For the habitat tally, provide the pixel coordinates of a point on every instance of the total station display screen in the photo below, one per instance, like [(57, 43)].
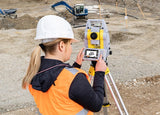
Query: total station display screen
[(91, 53)]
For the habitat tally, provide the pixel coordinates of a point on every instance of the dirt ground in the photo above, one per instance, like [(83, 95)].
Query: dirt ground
[(134, 64)]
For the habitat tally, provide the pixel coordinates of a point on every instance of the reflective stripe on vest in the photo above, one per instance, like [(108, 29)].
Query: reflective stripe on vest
[(83, 112), (72, 70)]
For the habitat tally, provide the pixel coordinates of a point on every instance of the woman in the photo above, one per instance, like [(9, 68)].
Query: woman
[(57, 87)]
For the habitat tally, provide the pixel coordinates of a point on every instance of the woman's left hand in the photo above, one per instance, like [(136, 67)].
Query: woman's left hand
[(80, 57)]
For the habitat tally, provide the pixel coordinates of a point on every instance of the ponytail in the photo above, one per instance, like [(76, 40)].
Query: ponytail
[(33, 67), (35, 60)]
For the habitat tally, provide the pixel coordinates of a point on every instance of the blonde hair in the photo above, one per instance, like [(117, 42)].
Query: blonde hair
[(35, 59)]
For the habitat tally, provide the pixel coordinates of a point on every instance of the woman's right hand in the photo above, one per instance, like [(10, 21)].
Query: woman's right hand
[(101, 65)]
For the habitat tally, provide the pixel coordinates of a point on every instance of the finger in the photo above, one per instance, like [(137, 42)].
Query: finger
[(82, 55), (100, 57), (80, 52)]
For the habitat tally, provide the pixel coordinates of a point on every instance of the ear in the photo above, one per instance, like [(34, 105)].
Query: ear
[(61, 46)]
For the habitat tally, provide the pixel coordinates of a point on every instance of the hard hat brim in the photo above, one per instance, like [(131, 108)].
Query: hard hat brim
[(52, 39), (74, 40)]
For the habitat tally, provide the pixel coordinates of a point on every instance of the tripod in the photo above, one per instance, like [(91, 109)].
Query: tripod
[(107, 84)]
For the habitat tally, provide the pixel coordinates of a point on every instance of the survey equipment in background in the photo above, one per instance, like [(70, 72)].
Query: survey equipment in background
[(97, 42)]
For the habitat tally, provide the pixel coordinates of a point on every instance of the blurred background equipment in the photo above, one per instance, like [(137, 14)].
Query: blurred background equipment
[(8, 13), (78, 10)]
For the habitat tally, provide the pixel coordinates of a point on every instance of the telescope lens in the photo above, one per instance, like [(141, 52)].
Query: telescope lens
[(94, 35)]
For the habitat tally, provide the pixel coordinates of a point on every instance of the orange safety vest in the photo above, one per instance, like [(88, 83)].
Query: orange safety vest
[(56, 100)]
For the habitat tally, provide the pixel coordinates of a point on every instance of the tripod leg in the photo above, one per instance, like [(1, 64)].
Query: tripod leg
[(113, 95), (119, 96), (105, 102)]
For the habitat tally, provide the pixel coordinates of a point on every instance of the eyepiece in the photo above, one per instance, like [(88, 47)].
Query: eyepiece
[(93, 35)]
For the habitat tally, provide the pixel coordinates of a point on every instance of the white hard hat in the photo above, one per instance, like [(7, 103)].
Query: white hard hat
[(51, 27)]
